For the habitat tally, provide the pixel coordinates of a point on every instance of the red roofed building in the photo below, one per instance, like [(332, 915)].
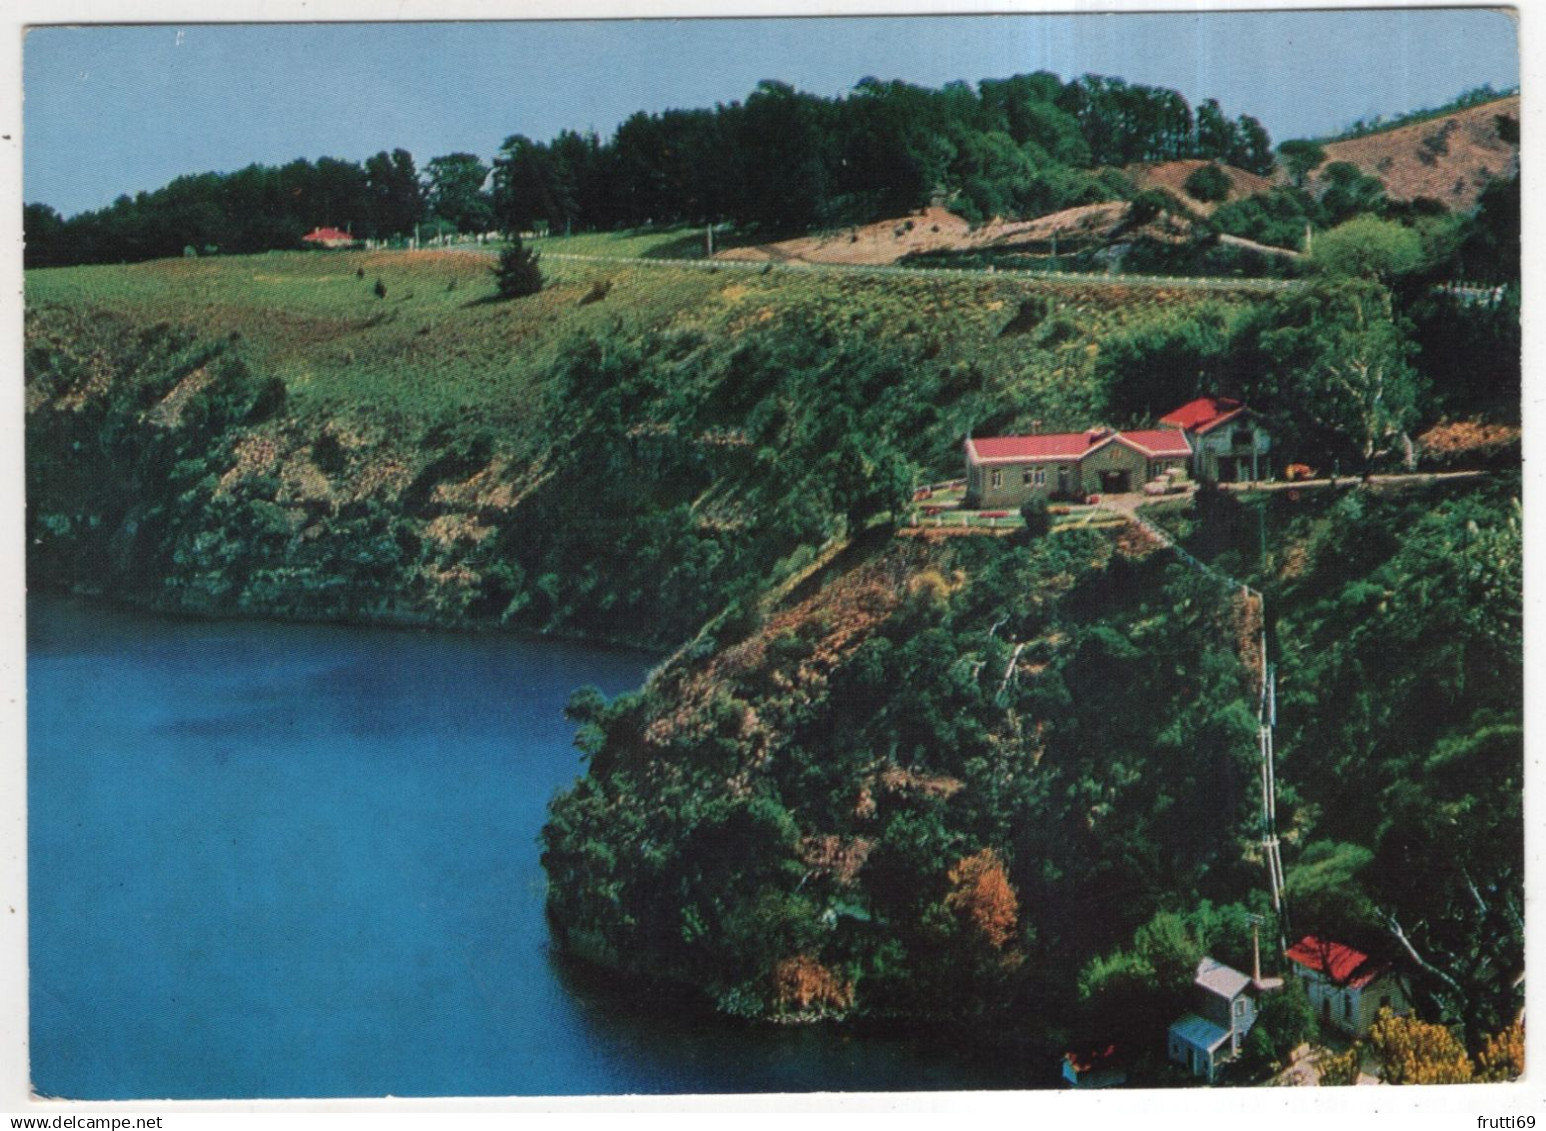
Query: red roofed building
[(1204, 414), (1006, 471), (1099, 1067), (1345, 986), (1229, 445), (328, 237)]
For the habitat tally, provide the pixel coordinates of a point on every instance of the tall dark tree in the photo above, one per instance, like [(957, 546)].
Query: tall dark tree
[(456, 194), (1301, 158), (785, 143), (1215, 133), (523, 185), (1252, 149), (43, 233), (396, 195)]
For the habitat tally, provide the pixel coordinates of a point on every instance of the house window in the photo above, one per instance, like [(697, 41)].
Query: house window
[(1041, 477), (1242, 438), (996, 480), (1240, 1007), (1027, 477), (1384, 1001), (1347, 1007)]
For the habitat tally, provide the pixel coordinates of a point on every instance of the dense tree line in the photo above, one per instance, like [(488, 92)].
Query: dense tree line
[(259, 208), (782, 160), (786, 160)]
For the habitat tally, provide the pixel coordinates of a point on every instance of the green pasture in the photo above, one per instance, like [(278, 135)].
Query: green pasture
[(438, 344)]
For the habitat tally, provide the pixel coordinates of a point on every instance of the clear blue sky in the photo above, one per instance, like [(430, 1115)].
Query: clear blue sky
[(110, 110)]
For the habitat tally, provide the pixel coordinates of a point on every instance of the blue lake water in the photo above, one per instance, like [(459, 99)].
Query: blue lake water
[(278, 860)]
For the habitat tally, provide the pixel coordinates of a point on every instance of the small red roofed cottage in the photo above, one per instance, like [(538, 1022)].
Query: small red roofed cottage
[(1006, 471), (328, 237), (1099, 1067), (1228, 444), (1345, 986)]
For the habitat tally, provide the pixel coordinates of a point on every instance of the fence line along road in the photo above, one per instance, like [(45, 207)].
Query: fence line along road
[(1106, 280)]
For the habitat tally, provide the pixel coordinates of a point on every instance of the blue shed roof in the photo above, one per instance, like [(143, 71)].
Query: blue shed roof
[(1199, 1033)]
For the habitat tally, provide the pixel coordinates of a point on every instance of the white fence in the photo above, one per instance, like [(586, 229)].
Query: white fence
[(1067, 277)]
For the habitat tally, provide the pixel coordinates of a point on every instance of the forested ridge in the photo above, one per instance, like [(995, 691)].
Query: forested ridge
[(780, 161)]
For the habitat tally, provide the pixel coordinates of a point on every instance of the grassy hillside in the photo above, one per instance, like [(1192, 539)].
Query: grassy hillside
[(439, 342), (609, 456), (1450, 158)]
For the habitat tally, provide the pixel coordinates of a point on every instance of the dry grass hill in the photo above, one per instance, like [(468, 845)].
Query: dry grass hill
[(1171, 177), (934, 230), (1449, 159)]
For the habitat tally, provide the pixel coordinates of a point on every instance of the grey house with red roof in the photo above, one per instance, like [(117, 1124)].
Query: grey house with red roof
[(1229, 444), (1006, 471), (1345, 986), (1211, 439)]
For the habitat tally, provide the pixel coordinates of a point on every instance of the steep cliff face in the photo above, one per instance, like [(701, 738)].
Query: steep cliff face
[(265, 436), (163, 471), (934, 783)]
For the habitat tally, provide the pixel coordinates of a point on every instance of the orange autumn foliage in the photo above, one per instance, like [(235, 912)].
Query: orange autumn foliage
[(981, 894), (801, 983)]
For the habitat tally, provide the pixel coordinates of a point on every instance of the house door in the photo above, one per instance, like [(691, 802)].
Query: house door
[(1115, 482)]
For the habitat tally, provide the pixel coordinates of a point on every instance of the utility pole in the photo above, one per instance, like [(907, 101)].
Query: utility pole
[(1271, 846), (709, 232), (1256, 948)]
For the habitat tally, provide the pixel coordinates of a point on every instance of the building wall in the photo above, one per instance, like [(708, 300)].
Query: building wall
[(1113, 457), (1199, 1062), (1007, 485), (1218, 451), (1237, 1013), (1367, 1003), (1350, 1010)]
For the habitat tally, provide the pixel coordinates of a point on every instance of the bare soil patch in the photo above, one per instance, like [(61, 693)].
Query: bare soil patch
[(1171, 176)]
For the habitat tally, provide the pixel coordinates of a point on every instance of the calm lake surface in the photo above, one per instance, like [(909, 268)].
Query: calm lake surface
[(278, 860)]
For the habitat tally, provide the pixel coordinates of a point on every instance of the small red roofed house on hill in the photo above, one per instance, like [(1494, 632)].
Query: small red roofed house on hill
[(1346, 987), (1006, 471), (329, 238), (1229, 444)]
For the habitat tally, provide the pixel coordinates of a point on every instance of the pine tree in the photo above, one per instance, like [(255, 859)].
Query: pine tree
[(517, 273)]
